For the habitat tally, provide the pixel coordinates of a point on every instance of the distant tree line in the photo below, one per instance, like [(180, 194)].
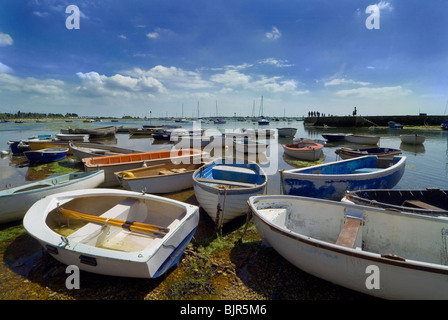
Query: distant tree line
[(36, 115)]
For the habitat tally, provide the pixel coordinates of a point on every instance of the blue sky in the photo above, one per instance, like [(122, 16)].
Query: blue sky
[(133, 57)]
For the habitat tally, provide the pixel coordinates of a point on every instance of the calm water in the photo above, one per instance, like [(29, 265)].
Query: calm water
[(426, 166)]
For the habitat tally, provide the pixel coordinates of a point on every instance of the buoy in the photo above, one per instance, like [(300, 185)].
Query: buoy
[(127, 174)]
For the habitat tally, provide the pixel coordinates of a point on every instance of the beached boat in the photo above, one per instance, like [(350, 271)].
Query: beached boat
[(362, 139), (95, 132), (250, 146), (72, 136), (83, 150), (286, 132), (304, 151), (430, 201), (412, 138), (113, 232), (39, 144), (346, 153), (140, 131), (16, 201), (123, 162), (387, 254), (159, 178), (331, 180), (222, 188), (394, 125), (17, 147), (46, 155), (334, 136)]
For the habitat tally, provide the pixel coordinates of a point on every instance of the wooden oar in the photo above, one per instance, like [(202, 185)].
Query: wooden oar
[(128, 225)]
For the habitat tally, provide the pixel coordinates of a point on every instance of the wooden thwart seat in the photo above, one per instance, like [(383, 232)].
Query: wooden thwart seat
[(349, 232), (420, 204)]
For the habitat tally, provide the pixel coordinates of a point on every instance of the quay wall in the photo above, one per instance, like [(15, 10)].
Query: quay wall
[(367, 121)]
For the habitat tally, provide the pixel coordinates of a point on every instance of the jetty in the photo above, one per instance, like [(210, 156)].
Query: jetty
[(379, 121)]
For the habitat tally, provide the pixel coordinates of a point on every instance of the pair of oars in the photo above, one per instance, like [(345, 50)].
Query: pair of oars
[(128, 225)]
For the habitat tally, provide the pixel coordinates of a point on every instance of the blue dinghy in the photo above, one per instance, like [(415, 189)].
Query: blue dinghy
[(46, 155), (331, 180)]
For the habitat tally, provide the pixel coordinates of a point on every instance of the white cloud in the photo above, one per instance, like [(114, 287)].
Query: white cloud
[(274, 34), (122, 36), (40, 14), (31, 85), (172, 77), (342, 81), (4, 68), (373, 93), (5, 39), (276, 62), (152, 35), (383, 5), (94, 84)]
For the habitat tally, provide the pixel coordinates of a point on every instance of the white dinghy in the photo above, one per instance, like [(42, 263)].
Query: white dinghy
[(113, 232), (387, 254)]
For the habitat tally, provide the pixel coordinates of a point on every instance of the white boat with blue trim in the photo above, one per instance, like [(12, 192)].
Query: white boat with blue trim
[(16, 201), (331, 180), (113, 232), (222, 188)]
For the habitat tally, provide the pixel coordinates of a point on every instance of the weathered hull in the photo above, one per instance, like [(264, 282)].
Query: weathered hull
[(386, 260)]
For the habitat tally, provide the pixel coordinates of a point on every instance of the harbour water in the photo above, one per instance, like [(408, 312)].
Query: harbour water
[(426, 165)]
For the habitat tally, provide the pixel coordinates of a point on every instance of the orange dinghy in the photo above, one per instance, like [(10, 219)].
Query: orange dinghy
[(123, 162), (308, 151)]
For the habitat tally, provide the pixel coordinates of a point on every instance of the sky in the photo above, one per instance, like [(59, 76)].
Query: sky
[(158, 58)]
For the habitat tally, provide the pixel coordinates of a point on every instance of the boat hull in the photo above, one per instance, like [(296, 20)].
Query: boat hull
[(110, 250), (221, 202), (89, 150), (46, 155), (304, 151), (345, 153), (332, 180), (431, 201), (404, 273), (16, 201), (286, 132), (414, 139), (360, 139), (163, 178), (116, 163)]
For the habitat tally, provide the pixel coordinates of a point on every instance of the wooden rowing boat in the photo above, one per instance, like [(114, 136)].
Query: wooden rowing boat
[(83, 150), (159, 178), (304, 151), (123, 162)]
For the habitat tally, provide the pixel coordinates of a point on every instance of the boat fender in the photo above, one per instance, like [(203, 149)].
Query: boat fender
[(88, 260), (127, 174)]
